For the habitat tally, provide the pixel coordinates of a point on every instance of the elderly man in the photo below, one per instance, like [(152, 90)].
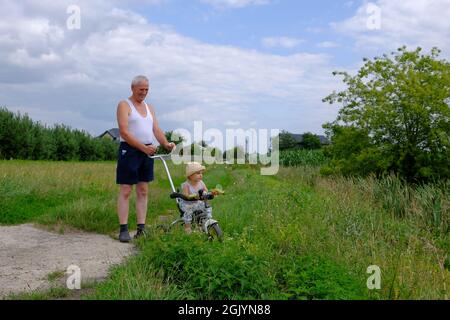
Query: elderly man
[(138, 129)]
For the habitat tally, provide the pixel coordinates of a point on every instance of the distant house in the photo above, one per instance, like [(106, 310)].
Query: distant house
[(299, 139), (112, 134)]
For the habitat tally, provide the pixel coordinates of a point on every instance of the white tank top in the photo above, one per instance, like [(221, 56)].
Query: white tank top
[(140, 127)]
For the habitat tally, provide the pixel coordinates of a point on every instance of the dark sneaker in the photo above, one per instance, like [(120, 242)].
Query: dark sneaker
[(124, 236), (140, 233)]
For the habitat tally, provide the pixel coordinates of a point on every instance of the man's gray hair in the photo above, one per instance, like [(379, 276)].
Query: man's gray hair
[(139, 79)]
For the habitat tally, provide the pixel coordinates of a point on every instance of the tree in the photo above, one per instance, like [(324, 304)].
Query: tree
[(9, 134), (235, 153), (214, 152), (67, 147), (399, 108), (22, 138), (310, 141), (286, 141), (86, 151), (45, 147), (196, 149), (171, 136)]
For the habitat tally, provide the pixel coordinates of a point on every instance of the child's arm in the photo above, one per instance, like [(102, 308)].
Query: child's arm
[(187, 194), (186, 191), (204, 187)]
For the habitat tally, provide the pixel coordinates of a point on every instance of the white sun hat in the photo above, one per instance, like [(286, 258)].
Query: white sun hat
[(193, 167)]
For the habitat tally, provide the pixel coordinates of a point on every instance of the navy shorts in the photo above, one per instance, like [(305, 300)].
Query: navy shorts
[(133, 166)]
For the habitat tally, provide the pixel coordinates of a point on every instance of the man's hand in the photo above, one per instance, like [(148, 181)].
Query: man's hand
[(170, 146), (149, 150)]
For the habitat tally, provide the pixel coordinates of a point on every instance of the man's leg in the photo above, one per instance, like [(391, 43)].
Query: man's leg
[(145, 175), (141, 207), (123, 203), (141, 202), (123, 211)]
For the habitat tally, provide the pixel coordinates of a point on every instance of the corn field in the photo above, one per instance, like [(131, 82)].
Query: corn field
[(301, 157)]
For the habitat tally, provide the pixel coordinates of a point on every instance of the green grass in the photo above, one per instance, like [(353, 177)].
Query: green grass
[(55, 275), (56, 291), (295, 235), (50, 294)]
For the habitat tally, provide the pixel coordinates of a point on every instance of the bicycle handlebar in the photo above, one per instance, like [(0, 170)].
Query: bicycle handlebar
[(160, 156), (201, 196)]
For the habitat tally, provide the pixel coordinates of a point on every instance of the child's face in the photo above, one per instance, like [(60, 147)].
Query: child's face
[(196, 177)]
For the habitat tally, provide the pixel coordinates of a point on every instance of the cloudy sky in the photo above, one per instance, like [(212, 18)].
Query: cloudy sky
[(230, 63)]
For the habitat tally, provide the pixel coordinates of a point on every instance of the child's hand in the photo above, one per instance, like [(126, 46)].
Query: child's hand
[(192, 196)]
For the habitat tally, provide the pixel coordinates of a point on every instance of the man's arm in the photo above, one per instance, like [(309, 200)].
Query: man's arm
[(159, 134), (123, 112)]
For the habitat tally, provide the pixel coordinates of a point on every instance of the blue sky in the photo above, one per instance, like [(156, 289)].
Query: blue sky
[(245, 27), (263, 64)]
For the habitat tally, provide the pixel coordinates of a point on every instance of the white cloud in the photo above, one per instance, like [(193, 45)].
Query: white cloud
[(231, 123), (22, 58), (283, 42), (328, 44), (315, 30), (234, 3), (413, 23), (79, 76)]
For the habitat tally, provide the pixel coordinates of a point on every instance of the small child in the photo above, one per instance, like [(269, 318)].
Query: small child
[(194, 183)]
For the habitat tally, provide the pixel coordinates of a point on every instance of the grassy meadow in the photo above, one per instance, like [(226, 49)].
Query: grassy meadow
[(296, 235)]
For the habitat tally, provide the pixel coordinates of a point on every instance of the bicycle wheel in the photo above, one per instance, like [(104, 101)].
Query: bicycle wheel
[(215, 232)]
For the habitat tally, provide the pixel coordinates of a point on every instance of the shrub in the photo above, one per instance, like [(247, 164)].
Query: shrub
[(395, 117)]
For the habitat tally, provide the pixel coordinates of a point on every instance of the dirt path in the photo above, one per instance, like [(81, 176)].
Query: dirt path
[(28, 255)]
